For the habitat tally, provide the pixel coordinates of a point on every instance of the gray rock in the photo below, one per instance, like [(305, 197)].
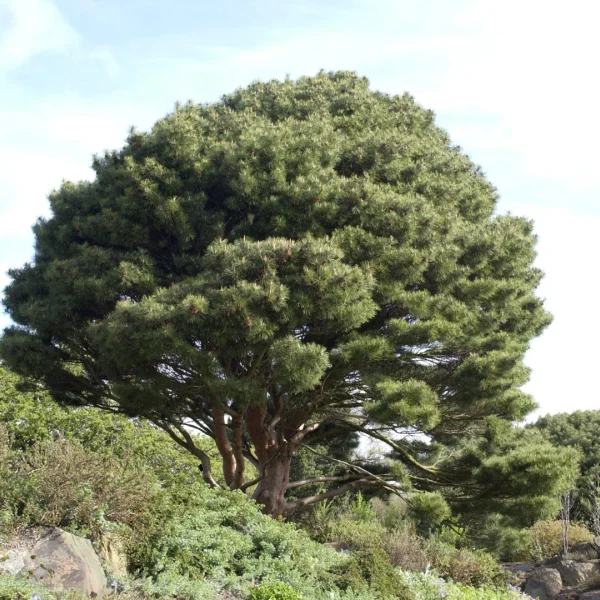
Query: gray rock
[(585, 551), (592, 595), (12, 562), (543, 584), (519, 567), (57, 559), (64, 560), (577, 574)]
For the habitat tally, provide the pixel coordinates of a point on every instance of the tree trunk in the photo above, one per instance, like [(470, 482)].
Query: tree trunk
[(270, 491)]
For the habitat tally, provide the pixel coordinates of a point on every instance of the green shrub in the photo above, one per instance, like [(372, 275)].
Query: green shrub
[(461, 565), (274, 591), (547, 538), (428, 510), (391, 513), (428, 587), (359, 535), (370, 570), (405, 549), (222, 536), (361, 510), (60, 484)]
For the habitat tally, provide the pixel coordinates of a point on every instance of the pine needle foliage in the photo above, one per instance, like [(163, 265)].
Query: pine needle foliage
[(299, 253)]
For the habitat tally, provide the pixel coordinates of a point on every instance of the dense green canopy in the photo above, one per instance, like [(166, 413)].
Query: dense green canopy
[(579, 430), (297, 254)]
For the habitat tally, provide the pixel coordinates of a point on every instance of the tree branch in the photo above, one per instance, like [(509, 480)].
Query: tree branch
[(302, 482), (188, 444), (222, 441), (289, 506)]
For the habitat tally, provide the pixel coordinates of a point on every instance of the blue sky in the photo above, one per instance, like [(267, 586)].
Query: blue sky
[(514, 83)]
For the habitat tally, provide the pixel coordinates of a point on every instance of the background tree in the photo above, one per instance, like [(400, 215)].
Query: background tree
[(579, 430), (298, 253)]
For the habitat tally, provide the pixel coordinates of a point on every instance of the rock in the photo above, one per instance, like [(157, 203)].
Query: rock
[(12, 562), (519, 568), (592, 595), (577, 574), (544, 584), (585, 551), (59, 560)]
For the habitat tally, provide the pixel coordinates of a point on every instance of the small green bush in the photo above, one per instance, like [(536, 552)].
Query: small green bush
[(359, 535), (405, 549), (461, 565), (370, 570), (274, 591), (428, 587), (547, 538), (223, 537)]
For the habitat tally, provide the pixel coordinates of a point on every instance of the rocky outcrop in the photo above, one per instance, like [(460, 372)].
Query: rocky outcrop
[(544, 584), (571, 576), (577, 574), (57, 559)]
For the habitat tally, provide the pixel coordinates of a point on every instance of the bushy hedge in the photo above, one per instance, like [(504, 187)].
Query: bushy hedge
[(223, 537), (429, 587)]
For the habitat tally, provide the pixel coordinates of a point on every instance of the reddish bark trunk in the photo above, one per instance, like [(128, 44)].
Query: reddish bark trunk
[(274, 457), (270, 491)]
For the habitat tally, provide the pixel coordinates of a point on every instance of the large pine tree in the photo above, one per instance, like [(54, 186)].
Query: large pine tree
[(298, 255)]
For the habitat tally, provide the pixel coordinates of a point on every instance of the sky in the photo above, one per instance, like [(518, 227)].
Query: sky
[(515, 84)]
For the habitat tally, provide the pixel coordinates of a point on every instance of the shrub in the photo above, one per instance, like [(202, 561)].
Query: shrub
[(405, 549), (391, 513), (428, 510), (547, 538), (274, 591), (429, 587), (359, 535), (370, 567), (469, 567), (222, 536), (60, 484), (370, 570)]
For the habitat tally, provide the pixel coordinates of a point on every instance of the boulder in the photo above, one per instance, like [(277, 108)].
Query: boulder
[(12, 562), (591, 595), (578, 574), (59, 560), (585, 551), (543, 584), (519, 568)]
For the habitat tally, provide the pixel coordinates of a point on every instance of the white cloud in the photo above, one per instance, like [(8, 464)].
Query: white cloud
[(532, 65), (565, 358), (50, 141), (36, 26)]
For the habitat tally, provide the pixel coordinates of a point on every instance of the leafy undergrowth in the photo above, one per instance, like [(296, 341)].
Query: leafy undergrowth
[(419, 586), (430, 587)]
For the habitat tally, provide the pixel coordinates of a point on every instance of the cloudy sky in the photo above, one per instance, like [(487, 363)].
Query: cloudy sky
[(514, 82)]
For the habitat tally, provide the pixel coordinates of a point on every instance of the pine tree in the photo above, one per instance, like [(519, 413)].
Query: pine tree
[(298, 253)]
